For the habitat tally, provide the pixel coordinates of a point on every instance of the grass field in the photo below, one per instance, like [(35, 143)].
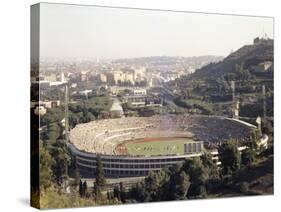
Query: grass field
[(157, 146)]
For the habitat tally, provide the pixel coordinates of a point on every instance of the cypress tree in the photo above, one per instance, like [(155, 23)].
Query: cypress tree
[(122, 192), (97, 191), (81, 188), (230, 157), (116, 192), (85, 188), (100, 178)]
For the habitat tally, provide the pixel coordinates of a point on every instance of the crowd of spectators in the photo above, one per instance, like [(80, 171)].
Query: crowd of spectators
[(103, 136)]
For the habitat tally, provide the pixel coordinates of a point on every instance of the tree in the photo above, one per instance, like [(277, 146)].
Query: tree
[(53, 132), (210, 165), (62, 160), (138, 192), (81, 191), (85, 188), (154, 183), (100, 178), (253, 140), (122, 192), (213, 182), (229, 76), (241, 73), (116, 192), (179, 185), (229, 156), (45, 167), (248, 156), (97, 192), (244, 187), (53, 116), (198, 176), (109, 195)]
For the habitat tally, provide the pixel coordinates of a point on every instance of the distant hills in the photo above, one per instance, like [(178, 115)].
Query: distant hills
[(248, 55), (168, 60)]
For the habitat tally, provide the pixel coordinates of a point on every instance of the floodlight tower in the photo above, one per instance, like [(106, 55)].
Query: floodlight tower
[(66, 93), (233, 90), (264, 101), (235, 102), (66, 101)]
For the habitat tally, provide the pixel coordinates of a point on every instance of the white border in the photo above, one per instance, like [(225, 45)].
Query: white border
[(14, 48)]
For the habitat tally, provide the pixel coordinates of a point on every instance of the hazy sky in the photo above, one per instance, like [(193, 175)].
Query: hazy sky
[(104, 33)]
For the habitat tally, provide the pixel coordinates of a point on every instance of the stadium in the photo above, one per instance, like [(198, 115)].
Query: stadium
[(133, 146)]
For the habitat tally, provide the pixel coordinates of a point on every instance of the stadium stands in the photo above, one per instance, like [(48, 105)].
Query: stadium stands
[(102, 138)]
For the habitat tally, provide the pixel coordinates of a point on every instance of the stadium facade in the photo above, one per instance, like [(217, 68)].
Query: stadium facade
[(124, 166)]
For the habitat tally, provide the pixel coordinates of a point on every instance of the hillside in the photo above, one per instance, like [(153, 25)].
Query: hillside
[(209, 89), (249, 55), (256, 179)]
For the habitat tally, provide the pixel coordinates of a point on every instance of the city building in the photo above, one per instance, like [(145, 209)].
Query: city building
[(84, 76), (135, 101), (102, 78), (40, 110), (116, 110), (140, 92), (47, 104)]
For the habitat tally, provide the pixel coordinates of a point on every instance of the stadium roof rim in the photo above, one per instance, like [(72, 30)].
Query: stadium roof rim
[(242, 122)]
